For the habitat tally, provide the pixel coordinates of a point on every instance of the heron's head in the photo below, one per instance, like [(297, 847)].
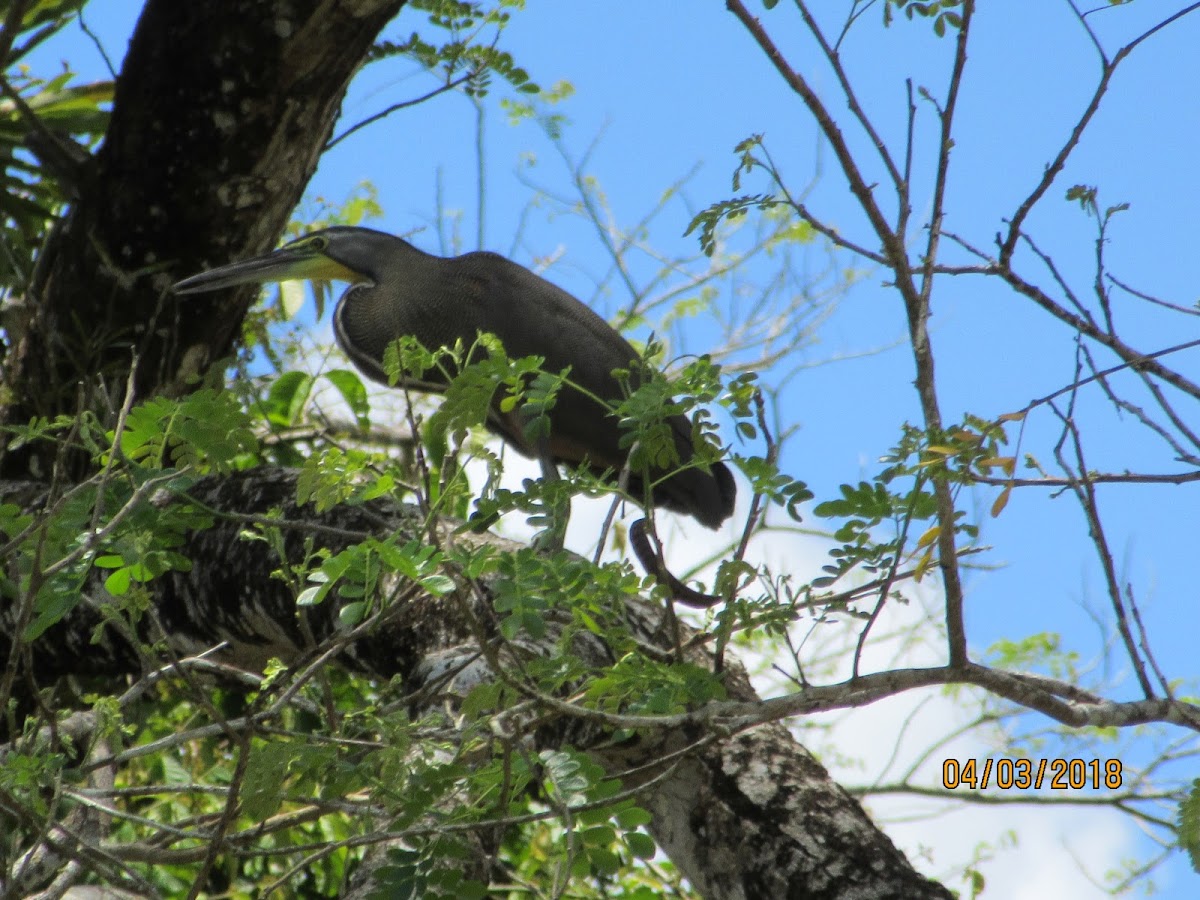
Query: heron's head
[(331, 254)]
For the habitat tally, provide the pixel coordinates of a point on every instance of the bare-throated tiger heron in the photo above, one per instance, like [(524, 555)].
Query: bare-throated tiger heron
[(397, 290)]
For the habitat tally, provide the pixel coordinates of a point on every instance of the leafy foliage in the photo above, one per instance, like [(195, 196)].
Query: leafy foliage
[(960, 456), (46, 124), (465, 52), (332, 475), (1189, 824), (108, 522), (709, 219), (204, 431), (940, 11), (588, 833)]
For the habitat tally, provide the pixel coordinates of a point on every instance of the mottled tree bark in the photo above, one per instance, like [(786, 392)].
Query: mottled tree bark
[(755, 815)]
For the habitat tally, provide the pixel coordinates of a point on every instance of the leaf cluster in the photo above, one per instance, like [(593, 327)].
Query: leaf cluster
[(942, 12), (467, 51), (47, 126), (124, 520), (206, 431), (961, 455), (710, 218)]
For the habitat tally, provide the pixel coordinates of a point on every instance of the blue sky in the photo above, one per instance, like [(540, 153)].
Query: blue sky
[(664, 87)]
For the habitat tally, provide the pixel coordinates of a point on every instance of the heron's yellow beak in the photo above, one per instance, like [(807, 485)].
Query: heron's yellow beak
[(286, 264)]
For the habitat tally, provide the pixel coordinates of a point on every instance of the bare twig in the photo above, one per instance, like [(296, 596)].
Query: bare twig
[(1085, 492), (396, 107), (1107, 70)]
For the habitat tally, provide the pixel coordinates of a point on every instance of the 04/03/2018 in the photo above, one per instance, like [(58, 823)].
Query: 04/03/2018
[(1058, 774)]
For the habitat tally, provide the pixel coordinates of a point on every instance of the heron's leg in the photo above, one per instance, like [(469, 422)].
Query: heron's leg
[(551, 538)]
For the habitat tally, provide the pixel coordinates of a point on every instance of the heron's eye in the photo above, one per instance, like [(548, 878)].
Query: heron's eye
[(317, 243)]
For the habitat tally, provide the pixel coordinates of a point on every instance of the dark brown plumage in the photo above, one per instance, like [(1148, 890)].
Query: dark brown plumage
[(398, 290)]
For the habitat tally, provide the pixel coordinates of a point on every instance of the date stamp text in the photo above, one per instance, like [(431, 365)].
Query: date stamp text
[(1058, 774)]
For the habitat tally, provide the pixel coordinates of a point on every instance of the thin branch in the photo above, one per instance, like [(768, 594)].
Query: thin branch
[(1143, 361), (441, 89), (1144, 642), (1049, 263), (918, 307), (1085, 492), (835, 63), (1181, 454), (836, 236), (1105, 478), (1060, 160), (97, 43), (910, 131), (862, 191), (851, 17), (1150, 298), (1139, 364), (889, 579)]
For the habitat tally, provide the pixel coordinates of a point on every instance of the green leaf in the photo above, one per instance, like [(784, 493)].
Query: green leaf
[(633, 817), (640, 845), (483, 698), (598, 835), (354, 392), (287, 397), (118, 582), (534, 624), (55, 600), (352, 614), (262, 785), (311, 596), (1189, 824), (603, 860), (438, 585)]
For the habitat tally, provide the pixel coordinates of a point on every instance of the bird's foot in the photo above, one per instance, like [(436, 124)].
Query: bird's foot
[(550, 540), (555, 519), (557, 506)]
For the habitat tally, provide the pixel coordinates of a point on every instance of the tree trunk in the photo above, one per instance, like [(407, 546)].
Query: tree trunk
[(220, 116)]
